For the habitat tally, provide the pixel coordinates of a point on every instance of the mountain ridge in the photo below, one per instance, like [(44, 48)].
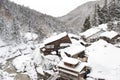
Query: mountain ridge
[(25, 20), (77, 16)]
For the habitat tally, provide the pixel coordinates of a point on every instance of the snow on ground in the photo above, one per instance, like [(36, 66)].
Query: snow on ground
[(5, 76), (27, 58), (53, 58), (26, 63), (10, 51), (115, 22), (104, 60), (3, 54), (34, 63), (2, 43), (30, 36), (22, 61)]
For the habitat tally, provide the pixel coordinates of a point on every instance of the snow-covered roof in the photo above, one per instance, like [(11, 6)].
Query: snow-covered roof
[(56, 37), (70, 60), (73, 35), (74, 49), (104, 60), (78, 68), (109, 34), (103, 26), (90, 32), (82, 41), (65, 44)]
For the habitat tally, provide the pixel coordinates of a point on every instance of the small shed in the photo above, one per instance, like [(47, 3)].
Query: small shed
[(75, 51), (53, 43), (91, 34), (110, 36), (72, 69)]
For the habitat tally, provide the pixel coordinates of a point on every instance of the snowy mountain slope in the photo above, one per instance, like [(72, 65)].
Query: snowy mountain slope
[(102, 11), (16, 20), (77, 17), (27, 61)]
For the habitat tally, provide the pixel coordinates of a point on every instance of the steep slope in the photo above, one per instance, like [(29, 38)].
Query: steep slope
[(16, 20), (78, 16)]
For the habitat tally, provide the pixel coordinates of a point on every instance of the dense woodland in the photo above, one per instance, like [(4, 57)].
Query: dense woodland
[(16, 19), (108, 13)]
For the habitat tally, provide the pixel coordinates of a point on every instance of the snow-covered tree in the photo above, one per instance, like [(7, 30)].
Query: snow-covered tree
[(95, 17), (15, 31), (87, 24)]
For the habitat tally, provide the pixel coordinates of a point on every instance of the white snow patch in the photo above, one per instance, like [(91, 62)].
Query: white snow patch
[(24, 63), (55, 37), (20, 62), (2, 43), (90, 32), (30, 36), (40, 70), (62, 53), (104, 60), (109, 34), (37, 56), (71, 60), (74, 49), (5, 76), (53, 58), (73, 35), (103, 26)]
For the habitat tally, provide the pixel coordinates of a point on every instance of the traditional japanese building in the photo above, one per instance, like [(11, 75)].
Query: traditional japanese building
[(110, 36), (92, 34), (72, 69), (53, 43)]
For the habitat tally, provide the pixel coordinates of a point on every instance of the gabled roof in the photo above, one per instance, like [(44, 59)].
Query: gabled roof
[(56, 37), (74, 49), (109, 34), (78, 68), (70, 60), (91, 32)]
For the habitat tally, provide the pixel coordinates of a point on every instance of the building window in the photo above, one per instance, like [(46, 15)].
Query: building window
[(49, 46)]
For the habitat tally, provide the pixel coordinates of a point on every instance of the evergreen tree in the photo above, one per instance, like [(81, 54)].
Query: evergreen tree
[(103, 13), (86, 24), (100, 15), (15, 31), (95, 17)]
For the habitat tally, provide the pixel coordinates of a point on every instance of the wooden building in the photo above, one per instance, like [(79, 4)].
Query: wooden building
[(53, 43), (110, 36), (76, 51), (92, 34), (72, 69)]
